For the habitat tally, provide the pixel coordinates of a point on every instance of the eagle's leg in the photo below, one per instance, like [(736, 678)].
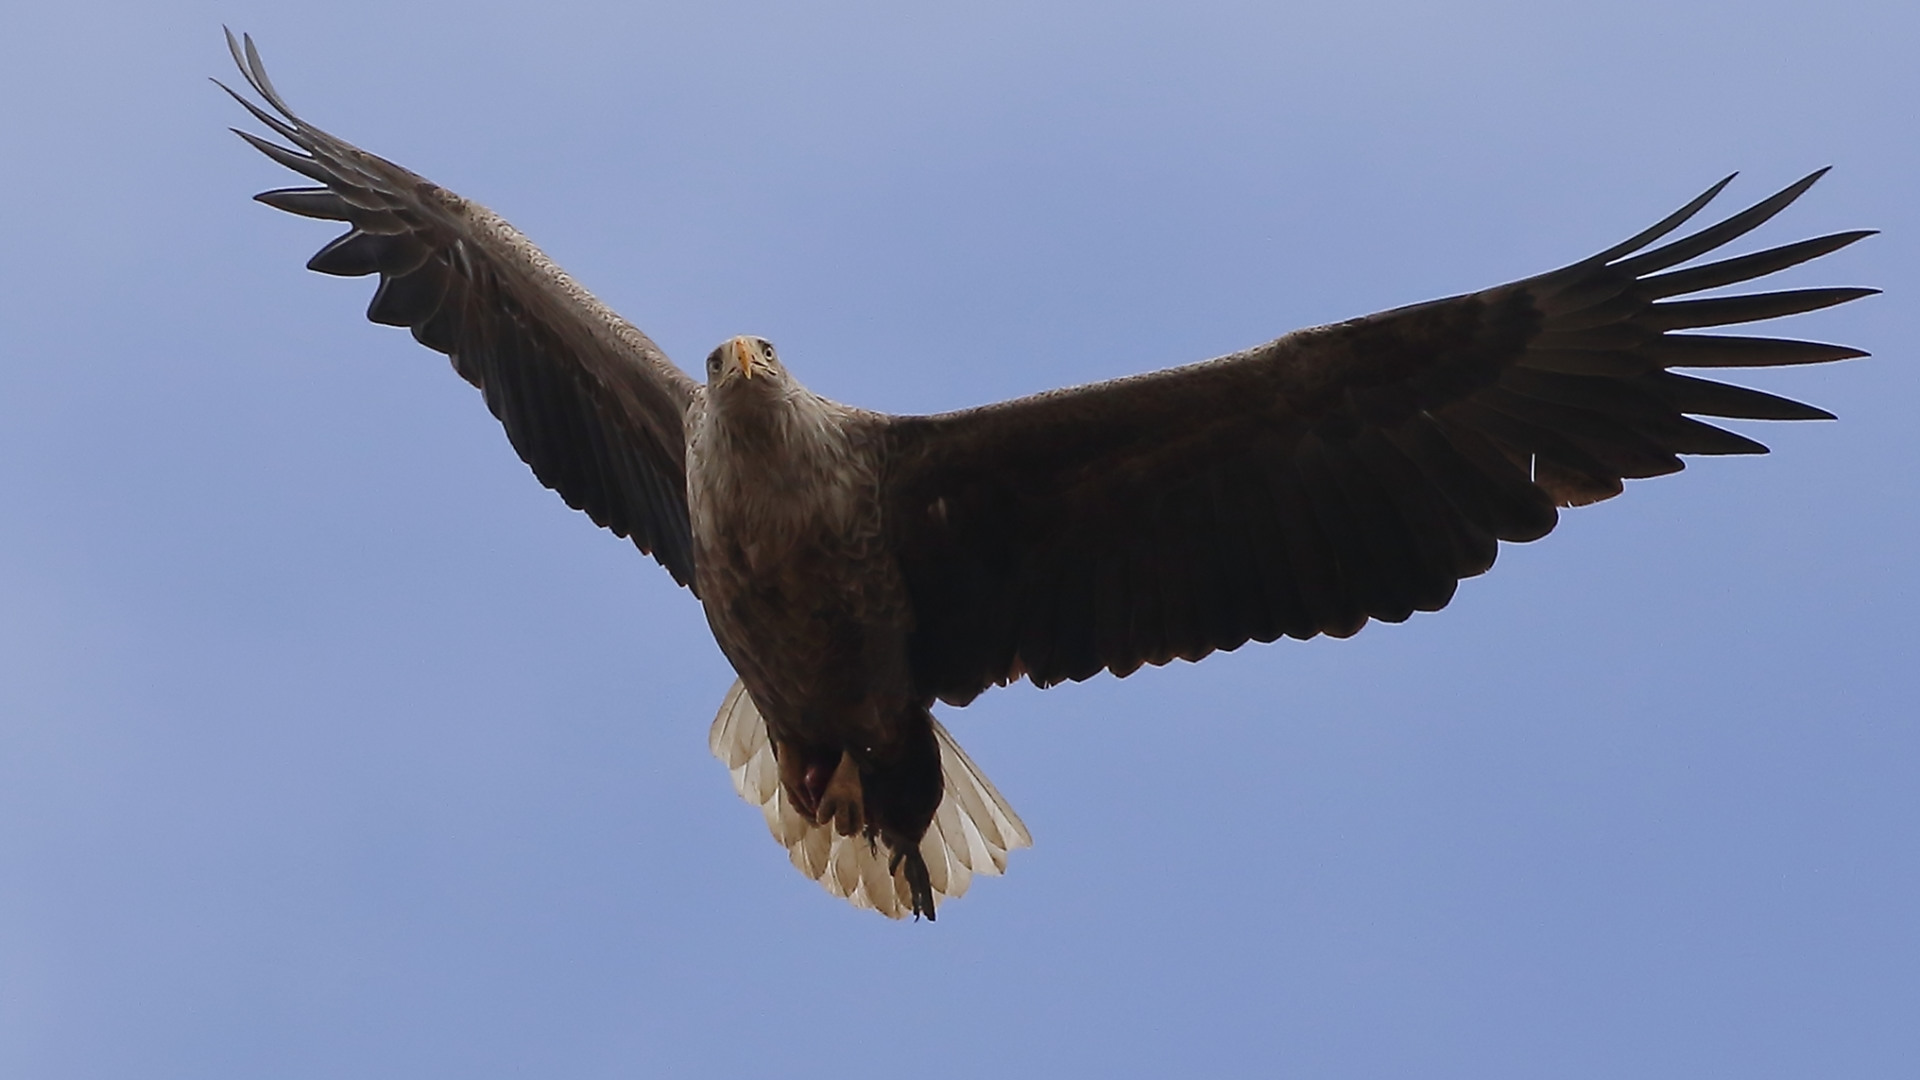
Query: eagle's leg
[(842, 802), (919, 883), (824, 786), (887, 796), (903, 792)]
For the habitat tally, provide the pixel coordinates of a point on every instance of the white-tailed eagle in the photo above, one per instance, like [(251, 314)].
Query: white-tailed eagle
[(857, 567)]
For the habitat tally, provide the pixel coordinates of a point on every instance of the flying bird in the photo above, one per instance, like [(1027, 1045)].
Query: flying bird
[(856, 567)]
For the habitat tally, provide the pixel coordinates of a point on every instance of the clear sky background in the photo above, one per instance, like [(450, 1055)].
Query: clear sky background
[(332, 745)]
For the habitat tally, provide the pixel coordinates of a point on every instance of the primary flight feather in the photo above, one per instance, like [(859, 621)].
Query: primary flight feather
[(856, 567)]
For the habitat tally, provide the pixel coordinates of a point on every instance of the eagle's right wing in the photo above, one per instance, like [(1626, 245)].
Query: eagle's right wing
[(588, 401)]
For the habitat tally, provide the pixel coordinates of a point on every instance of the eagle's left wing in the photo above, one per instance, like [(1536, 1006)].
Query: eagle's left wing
[(1335, 475)]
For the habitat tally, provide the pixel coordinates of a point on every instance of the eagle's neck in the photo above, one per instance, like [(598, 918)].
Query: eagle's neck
[(779, 433), (770, 469)]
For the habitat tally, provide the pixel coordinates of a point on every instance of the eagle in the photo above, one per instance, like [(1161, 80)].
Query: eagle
[(857, 567)]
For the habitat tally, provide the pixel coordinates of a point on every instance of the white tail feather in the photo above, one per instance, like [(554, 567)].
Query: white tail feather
[(972, 831)]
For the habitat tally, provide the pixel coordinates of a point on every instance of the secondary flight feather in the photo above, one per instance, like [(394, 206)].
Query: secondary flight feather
[(857, 567)]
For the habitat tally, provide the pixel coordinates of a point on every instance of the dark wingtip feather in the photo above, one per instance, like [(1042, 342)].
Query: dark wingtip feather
[(300, 163), (1713, 236), (280, 126), (1747, 267), (406, 299), (257, 74), (1716, 351), (233, 47), (322, 203), (247, 58), (1664, 225), (1711, 441), (1754, 307), (1705, 397)]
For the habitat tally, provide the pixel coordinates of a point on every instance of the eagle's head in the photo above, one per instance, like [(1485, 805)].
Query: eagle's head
[(746, 361)]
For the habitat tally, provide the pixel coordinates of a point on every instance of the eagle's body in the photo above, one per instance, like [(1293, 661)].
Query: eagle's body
[(806, 599), (857, 567), (790, 557)]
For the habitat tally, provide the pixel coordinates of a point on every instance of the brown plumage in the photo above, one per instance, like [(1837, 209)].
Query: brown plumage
[(855, 567)]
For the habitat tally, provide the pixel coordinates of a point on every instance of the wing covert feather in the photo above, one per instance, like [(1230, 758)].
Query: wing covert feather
[(1330, 477), (589, 402)]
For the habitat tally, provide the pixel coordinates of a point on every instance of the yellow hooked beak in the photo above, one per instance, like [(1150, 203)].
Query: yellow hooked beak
[(745, 352)]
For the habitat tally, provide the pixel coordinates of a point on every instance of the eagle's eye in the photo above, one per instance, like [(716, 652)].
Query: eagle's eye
[(766, 349)]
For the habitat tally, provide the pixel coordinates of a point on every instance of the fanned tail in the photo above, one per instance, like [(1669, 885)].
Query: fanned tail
[(971, 833)]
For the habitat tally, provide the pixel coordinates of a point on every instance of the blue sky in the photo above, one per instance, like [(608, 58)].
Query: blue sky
[(331, 744)]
